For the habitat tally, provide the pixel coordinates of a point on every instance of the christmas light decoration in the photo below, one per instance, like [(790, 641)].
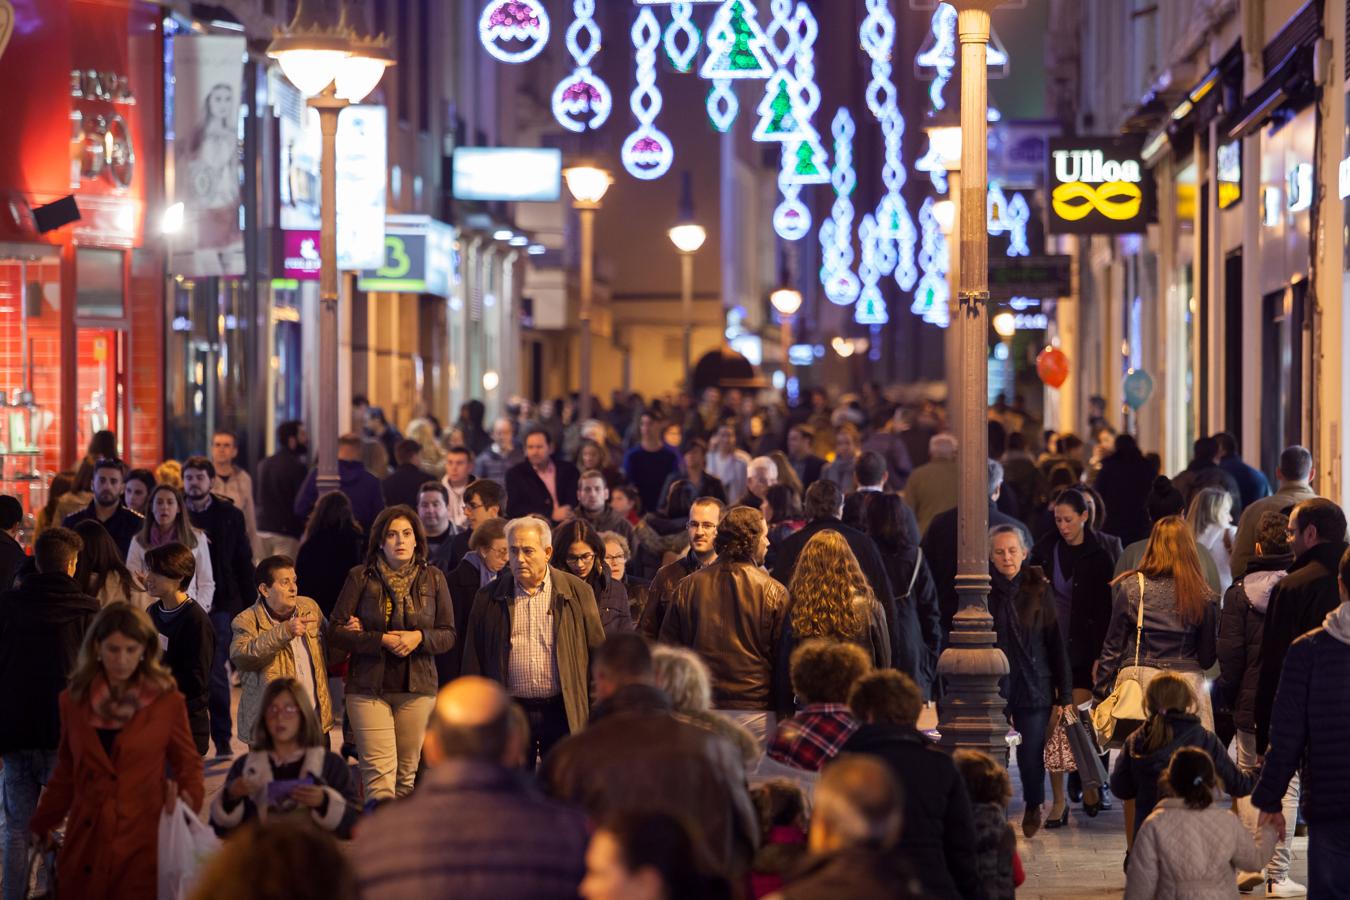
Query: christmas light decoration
[(895, 226), (1018, 215), (791, 220), (996, 202), (777, 116), (723, 106), (836, 234), (682, 53), (582, 100), (804, 159), (936, 59), (736, 44), (931, 294), (647, 152), (514, 31), (871, 306), (805, 162)]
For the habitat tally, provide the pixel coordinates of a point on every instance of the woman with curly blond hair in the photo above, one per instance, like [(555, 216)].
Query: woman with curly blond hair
[(830, 598)]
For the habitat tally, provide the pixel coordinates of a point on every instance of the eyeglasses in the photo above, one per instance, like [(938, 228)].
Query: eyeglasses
[(287, 709), (497, 551), (702, 526), (474, 504), (617, 557), (583, 559)]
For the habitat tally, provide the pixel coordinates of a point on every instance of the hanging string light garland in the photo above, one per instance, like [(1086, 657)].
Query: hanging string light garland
[(871, 306), (514, 31), (931, 295), (682, 53), (1018, 215), (582, 100), (895, 227), (647, 153), (836, 233)]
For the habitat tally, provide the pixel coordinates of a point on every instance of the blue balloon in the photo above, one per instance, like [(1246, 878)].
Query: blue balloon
[(1138, 388)]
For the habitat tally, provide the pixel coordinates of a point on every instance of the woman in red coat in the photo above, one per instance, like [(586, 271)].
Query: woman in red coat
[(123, 724)]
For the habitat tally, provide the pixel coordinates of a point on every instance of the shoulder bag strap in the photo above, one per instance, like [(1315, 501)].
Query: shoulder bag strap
[(914, 576), (1139, 622)]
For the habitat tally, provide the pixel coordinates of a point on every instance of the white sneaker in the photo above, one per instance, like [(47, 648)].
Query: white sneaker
[(1286, 888)]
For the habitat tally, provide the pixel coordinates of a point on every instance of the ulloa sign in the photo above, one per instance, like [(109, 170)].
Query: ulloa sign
[(1098, 186)]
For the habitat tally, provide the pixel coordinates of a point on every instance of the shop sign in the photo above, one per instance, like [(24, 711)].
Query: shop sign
[(208, 73), (1030, 276), (300, 259), (510, 174), (1299, 187), (362, 163), (1228, 161), (419, 258), (1098, 186)]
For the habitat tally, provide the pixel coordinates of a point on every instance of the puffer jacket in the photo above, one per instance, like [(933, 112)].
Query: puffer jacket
[(1192, 854), (428, 610), (1168, 642), (1136, 773), (1241, 626), (1308, 727), (262, 651), (732, 614)]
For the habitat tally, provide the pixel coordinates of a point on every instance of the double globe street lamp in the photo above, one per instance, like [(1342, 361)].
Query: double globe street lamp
[(333, 65)]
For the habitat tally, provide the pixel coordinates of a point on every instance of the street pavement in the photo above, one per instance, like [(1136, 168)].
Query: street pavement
[(1082, 861)]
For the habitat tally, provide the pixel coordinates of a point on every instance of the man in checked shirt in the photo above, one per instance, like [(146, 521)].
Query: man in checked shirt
[(822, 672), (534, 631)]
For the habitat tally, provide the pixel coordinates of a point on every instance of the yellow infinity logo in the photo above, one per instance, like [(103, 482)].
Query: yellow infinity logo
[(1118, 200)]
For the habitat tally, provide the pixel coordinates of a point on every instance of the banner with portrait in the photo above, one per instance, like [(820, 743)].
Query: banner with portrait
[(208, 73)]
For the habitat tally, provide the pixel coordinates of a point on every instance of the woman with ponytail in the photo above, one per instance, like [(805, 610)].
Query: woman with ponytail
[(1172, 724), (1189, 848)]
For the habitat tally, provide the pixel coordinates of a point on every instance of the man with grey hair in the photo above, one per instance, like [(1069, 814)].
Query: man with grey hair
[(760, 475), (931, 488), (854, 829), (533, 630), (521, 845), (939, 545)]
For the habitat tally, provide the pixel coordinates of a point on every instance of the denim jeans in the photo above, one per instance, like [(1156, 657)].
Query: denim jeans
[(1328, 860), (1032, 724), (26, 773), (1244, 745), (218, 687)]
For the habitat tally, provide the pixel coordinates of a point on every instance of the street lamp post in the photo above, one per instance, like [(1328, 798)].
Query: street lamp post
[(688, 237), (333, 65), (787, 300), (587, 185), (972, 712)]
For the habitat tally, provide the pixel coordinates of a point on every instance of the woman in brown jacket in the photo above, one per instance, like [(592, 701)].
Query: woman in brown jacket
[(123, 723), (394, 616)]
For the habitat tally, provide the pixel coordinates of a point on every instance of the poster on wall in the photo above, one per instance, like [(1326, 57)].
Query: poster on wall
[(361, 166), (208, 81)]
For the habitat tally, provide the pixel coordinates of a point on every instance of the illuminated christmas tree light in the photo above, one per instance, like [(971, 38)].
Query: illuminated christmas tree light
[(777, 119), (895, 227), (647, 152), (736, 44), (931, 295), (871, 306), (582, 100)]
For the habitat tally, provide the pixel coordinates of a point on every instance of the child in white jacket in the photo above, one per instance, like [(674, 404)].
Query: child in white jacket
[(1188, 849)]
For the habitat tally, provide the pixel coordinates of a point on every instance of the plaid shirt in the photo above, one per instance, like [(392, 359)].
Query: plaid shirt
[(813, 736), (532, 669)]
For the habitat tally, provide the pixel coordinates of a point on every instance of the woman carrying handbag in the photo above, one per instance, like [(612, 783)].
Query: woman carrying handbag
[(1163, 618)]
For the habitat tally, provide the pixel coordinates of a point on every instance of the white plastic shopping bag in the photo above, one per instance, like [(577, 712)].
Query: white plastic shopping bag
[(185, 843)]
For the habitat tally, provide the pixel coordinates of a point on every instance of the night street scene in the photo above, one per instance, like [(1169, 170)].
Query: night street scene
[(674, 449)]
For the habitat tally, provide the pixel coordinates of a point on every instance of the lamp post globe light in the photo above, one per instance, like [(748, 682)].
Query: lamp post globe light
[(333, 65), (688, 237), (972, 714), (588, 185)]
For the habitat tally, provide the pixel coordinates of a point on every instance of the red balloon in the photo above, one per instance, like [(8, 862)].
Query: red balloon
[(1053, 367)]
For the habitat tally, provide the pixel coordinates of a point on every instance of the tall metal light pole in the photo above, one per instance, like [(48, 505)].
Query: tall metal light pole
[(688, 237), (588, 185), (333, 65), (972, 714)]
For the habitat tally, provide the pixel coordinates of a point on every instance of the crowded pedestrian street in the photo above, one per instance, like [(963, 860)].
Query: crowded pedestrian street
[(674, 449)]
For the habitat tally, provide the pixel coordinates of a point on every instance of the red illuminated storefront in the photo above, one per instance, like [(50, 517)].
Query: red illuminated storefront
[(81, 321)]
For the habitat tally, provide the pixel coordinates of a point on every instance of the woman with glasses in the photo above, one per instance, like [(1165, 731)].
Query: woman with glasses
[(617, 554), (479, 568), (291, 771), (577, 548)]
